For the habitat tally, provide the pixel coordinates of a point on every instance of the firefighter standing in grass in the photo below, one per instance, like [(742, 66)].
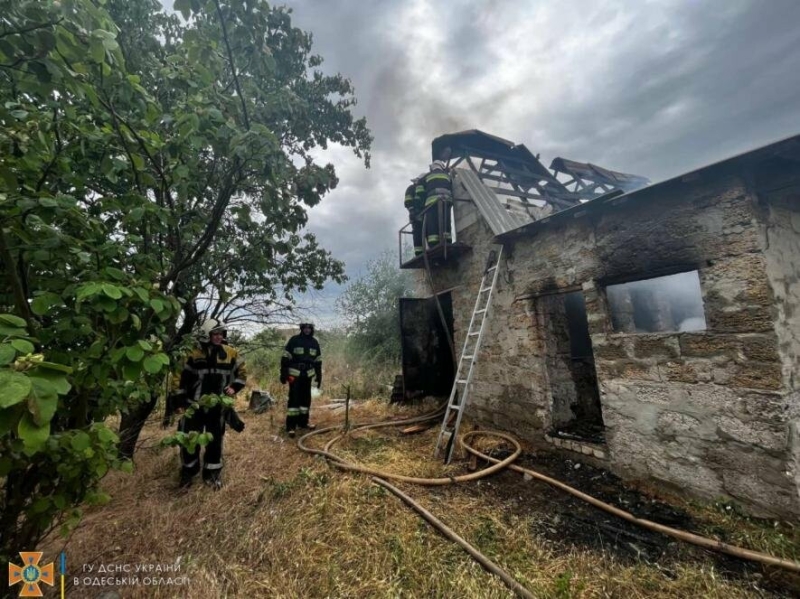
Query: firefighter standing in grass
[(211, 368), (438, 188), (301, 364)]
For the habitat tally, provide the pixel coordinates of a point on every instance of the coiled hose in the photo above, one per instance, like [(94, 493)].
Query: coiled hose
[(378, 477)]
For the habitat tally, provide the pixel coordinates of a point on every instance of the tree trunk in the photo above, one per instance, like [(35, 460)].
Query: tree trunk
[(131, 424)]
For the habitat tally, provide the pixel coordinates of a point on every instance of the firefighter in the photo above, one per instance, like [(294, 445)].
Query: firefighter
[(211, 368), (438, 188), (411, 203), (301, 364)]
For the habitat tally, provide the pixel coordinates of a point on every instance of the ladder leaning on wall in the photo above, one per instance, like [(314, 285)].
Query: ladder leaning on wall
[(459, 395)]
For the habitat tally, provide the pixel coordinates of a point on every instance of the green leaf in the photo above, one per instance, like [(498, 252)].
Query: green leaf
[(59, 381), (15, 387), (15, 321), (97, 50), (81, 441), (54, 366), (126, 466), (145, 345), (153, 364), (41, 304), (112, 291), (33, 436), (9, 332), (157, 305), (106, 435), (115, 273), (43, 401), (134, 353), (184, 7), (7, 354), (131, 371), (22, 346)]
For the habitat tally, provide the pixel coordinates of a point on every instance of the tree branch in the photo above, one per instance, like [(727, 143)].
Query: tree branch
[(233, 66)]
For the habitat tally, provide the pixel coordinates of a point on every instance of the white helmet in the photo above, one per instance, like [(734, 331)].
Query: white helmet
[(212, 326)]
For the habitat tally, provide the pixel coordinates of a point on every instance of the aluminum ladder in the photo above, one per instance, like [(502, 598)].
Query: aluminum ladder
[(459, 395)]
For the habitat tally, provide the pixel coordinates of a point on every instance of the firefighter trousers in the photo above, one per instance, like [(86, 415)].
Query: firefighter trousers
[(416, 230), (211, 421), (299, 403), (439, 211)]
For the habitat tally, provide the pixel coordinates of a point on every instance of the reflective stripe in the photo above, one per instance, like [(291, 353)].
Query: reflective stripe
[(286, 354), (433, 238), (310, 373), (299, 350), (318, 360), (304, 410), (294, 372), (204, 371), (239, 381), (292, 411), (191, 464), (212, 466), (313, 352), (437, 177)]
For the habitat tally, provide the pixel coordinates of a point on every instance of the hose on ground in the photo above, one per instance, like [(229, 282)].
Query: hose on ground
[(688, 537), (378, 478)]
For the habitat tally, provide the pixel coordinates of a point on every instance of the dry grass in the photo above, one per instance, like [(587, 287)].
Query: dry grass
[(289, 525)]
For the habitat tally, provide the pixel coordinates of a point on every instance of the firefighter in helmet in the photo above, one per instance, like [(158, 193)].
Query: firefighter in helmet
[(414, 202), (301, 364), (438, 196), (211, 368)]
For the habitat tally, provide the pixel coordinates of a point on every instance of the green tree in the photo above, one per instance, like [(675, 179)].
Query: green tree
[(369, 306), (145, 163)]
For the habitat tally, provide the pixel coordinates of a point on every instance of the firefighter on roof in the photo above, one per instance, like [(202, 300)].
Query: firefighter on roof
[(414, 202), (438, 197), (301, 364)]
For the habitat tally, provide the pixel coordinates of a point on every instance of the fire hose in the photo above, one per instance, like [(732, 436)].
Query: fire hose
[(378, 477)]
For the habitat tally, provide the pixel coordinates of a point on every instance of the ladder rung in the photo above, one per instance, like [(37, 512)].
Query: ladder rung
[(485, 289), (462, 381), (474, 334), (469, 357), (491, 269), (454, 407), (480, 311)]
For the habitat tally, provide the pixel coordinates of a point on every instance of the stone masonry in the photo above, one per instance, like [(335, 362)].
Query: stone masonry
[(713, 412)]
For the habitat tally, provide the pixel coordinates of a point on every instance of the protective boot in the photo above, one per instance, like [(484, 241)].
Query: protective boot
[(213, 478)]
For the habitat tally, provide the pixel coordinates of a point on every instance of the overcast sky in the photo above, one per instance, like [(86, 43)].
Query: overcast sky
[(654, 88)]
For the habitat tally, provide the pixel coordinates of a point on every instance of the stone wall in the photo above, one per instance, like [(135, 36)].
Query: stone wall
[(711, 411), (781, 232)]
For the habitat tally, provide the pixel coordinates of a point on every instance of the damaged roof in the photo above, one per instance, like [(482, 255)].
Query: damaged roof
[(496, 214), (786, 153)]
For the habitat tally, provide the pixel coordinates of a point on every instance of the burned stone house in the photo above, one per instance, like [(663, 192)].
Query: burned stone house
[(654, 329)]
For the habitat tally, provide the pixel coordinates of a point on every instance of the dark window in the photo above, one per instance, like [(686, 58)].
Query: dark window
[(662, 304)]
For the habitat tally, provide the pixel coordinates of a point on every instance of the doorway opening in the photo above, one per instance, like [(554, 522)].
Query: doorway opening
[(576, 412), (427, 358)]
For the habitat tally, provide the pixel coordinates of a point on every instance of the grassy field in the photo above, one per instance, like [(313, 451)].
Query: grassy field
[(287, 524)]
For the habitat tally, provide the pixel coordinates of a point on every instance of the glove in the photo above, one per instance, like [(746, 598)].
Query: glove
[(291, 379), (283, 379), (233, 420)]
